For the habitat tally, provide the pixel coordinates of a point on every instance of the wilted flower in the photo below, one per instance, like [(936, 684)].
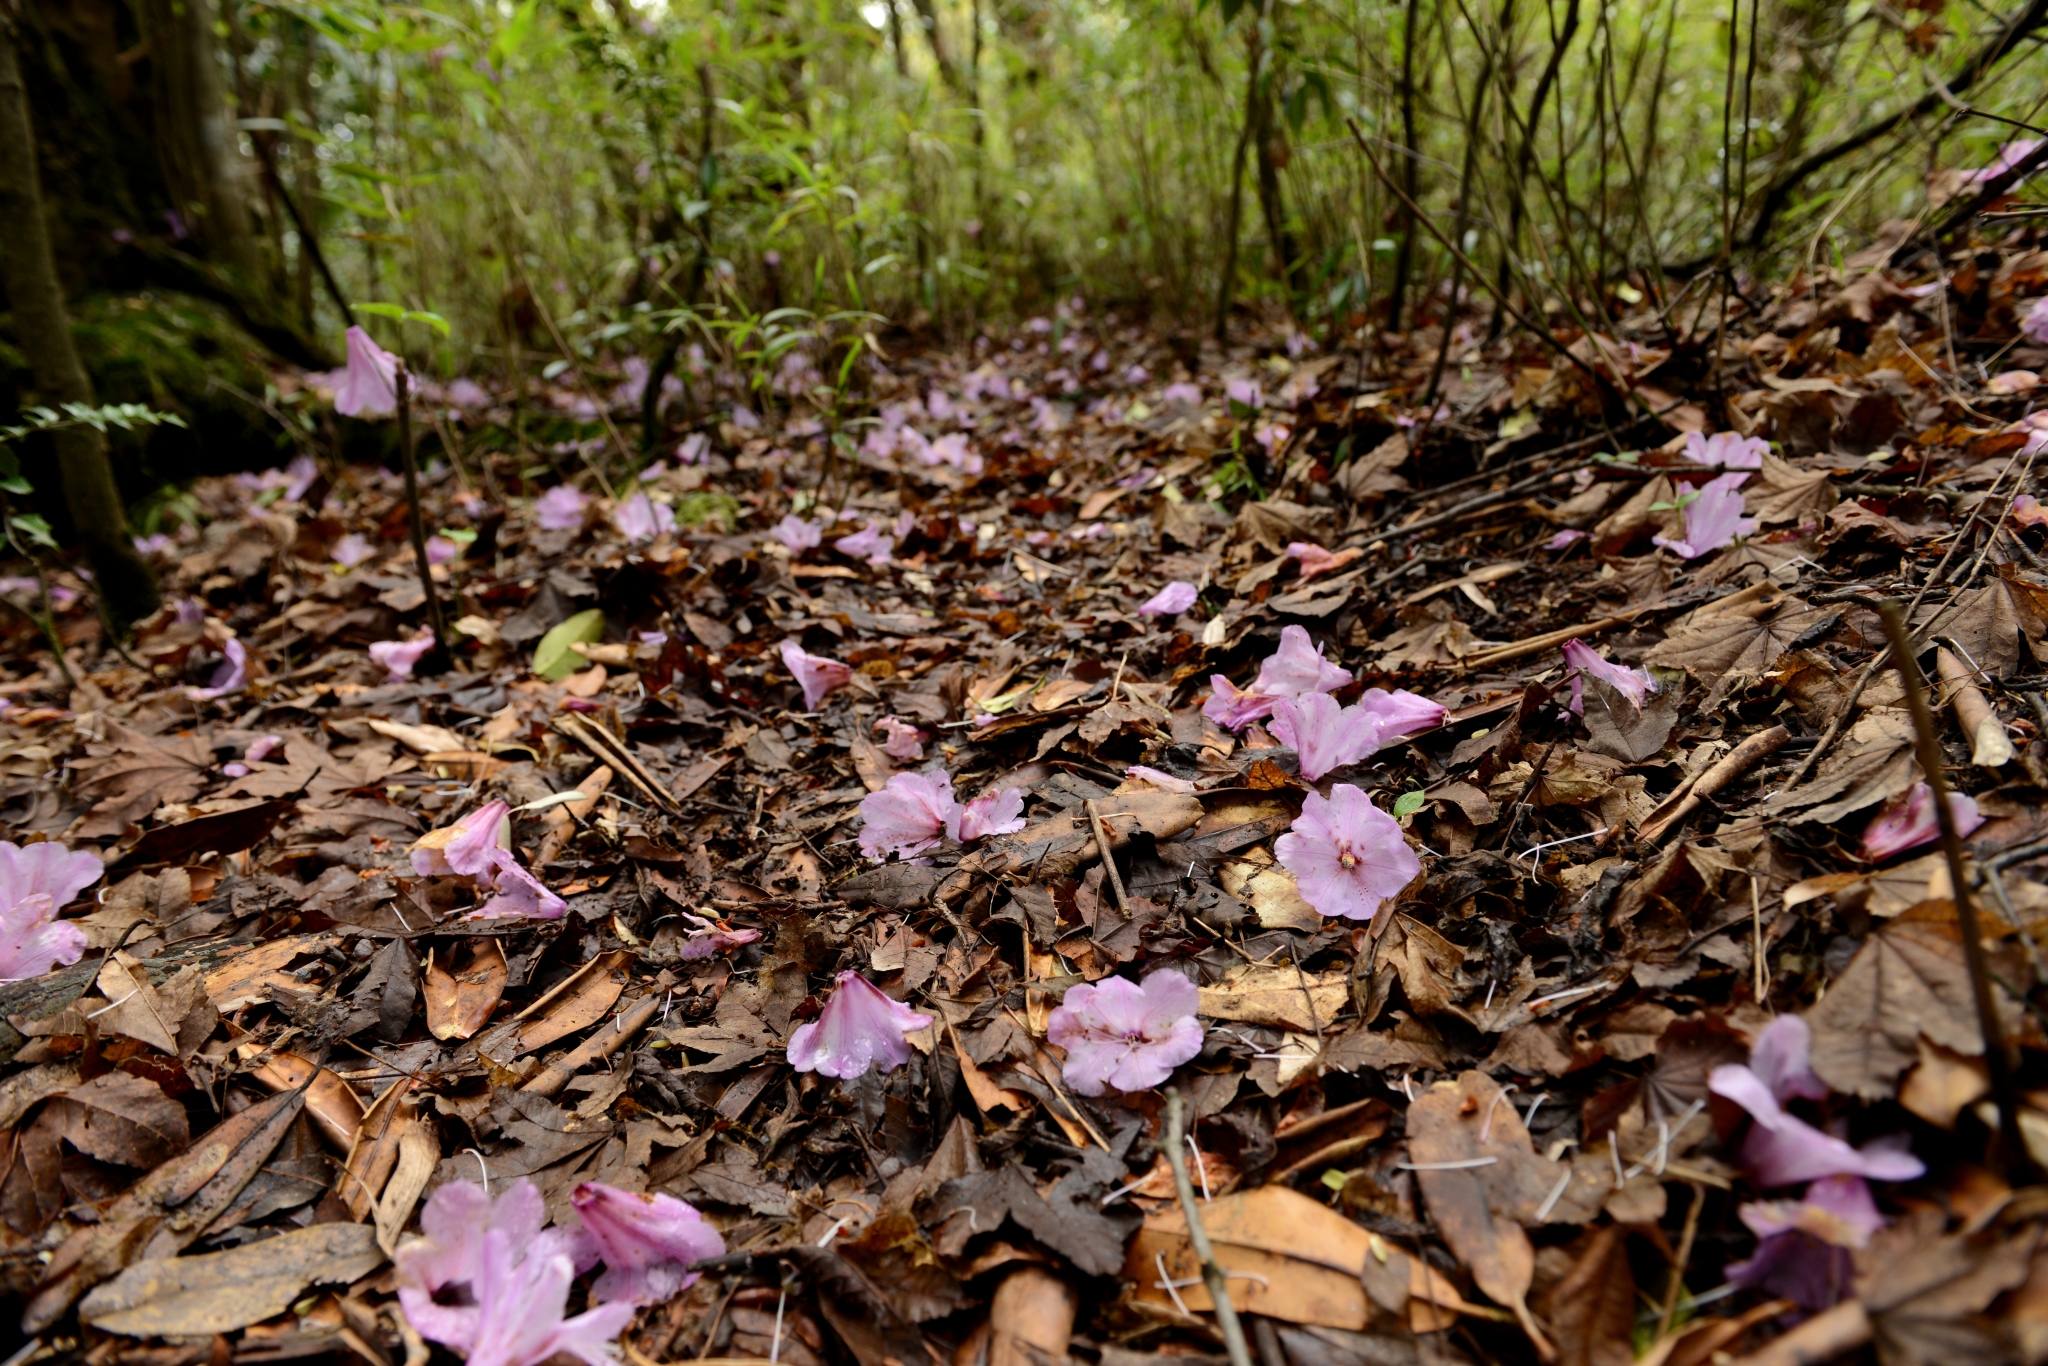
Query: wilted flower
[(231, 676), (1564, 538), (34, 882), (640, 518), (1782, 1149), (1295, 668), (646, 1241), (474, 848), (1713, 519), (1727, 450), (908, 816), (351, 550), (1401, 713), (399, 656), (694, 449), (2028, 510), (1323, 735), (1182, 392), (1169, 601), (992, 813), (1582, 659), (1272, 437), (905, 741), (815, 674), (953, 449), (1804, 1247), (798, 534), (871, 544), (1909, 821), (440, 550), (1119, 1034), (859, 1028), (560, 508), (2035, 322), (744, 419), (1347, 855), (370, 387), (1315, 560), (515, 1274), (711, 938)]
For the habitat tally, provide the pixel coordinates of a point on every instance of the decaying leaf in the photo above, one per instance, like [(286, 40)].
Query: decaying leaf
[(218, 1292)]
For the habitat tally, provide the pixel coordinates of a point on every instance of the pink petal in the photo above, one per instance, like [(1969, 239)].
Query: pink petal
[(1347, 855), (1581, 659), (561, 508), (646, 1241), (905, 741), (369, 388), (1165, 782), (1401, 713), (1324, 736), (908, 816), (858, 1029), (1169, 601), (993, 813), (230, 677), (399, 656), (1119, 1034), (815, 674), (1298, 667), (1908, 821)]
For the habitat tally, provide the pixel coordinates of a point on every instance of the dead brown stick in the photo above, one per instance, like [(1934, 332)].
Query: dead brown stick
[(1102, 847), (1198, 1237), (440, 660), (1990, 747), (605, 1042), (1997, 1061), (1718, 775), (1519, 649)]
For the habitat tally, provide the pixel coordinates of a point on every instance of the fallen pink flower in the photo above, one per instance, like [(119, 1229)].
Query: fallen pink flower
[(262, 747), (1582, 660), (1401, 713), (1347, 855), (1782, 1149), (640, 518), (34, 883), (1169, 601), (561, 508), (1164, 781), (2028, 510), (798, 534), (815, 674), (1120, 1034), (870, 544), (1713, 519), (1295, 668), (647, 1242), (2009, 156), (905, 742), (370, 386), (1244, 393), (1182, 392), (1726, 450), (475, 848), (992, 813), (1909, 821), (1272, 437), (710, 938), (351, 550), (859, 1028), (399, 656), (1562, 539), (1315, 561), (908, 816), (2035, 323), (440, 550), (231, 676), (1804, 1247), (694, 449), (1323, 735)]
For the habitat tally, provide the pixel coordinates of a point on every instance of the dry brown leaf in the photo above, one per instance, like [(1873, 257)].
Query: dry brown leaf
[(1592, 1310), (1908, 980), (1992, 622), (1284, 997), (219, 1292), (124, 1119), (133, 774), (460, 1000), (1785, 493)]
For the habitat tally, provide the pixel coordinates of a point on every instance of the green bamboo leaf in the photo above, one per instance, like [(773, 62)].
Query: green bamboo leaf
[(553, 659)]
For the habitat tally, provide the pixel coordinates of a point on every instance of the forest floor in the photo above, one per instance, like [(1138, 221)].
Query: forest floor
[(1476, 1125)]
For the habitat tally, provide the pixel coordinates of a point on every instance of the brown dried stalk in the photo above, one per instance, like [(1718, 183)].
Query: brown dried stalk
[(1170, 1144)]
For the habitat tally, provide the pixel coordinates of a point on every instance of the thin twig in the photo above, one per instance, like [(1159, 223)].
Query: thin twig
[(1116, 879), (1998, 1062), (1198, 1238), (439, 661)]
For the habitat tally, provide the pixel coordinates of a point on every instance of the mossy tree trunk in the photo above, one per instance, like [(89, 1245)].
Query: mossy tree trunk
[(28, 272)]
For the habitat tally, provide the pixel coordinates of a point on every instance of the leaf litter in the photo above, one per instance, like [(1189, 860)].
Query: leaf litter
[(746, 878)]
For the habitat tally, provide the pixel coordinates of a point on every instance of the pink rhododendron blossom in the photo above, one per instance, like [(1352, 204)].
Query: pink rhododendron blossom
[(561, 508), (1244, 392), (34, 882), (1804, 1248), (1182, 392), (1315, 560), (507, 1278), (399, 656), (992, 813), (1909, 821), (905, 742), (871, 544), (710, 938), (640, 518), (646, 1241), (1782, 1149), (2028, 510), (815, 674), (351, 550), (744, 419), (797, 534), (908, 816), (1323, 735), (2009, 156), (1298, 667), (1119, 1034), (1169, 601), (1713, 519), (859, 1028), (440, 550), (953, 449), (370, 386), (1726, 450), (474, 848), (1401, 713), (1563, 539), (694, 449), (1160, 779), (2035, 321), (1347, 855), (230, 676), (1582, 659)]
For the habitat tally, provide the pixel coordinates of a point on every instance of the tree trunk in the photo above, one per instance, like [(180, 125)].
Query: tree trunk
[(1270, 139), (1255, 55), (1404, 255), (29, 274), (202, 163)]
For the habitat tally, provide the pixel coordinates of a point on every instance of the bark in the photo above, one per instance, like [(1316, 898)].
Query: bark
[(202, 164), (1270, 138), (29, 274), (1404, 256)]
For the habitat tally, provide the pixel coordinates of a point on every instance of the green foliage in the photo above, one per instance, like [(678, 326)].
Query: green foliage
[(553, 659), (127, 416), (708, 507)]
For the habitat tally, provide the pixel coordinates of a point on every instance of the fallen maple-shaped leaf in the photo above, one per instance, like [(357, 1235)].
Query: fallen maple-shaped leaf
[(133, 774), (1735, 638), (1992, 622), (1874, 763)]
